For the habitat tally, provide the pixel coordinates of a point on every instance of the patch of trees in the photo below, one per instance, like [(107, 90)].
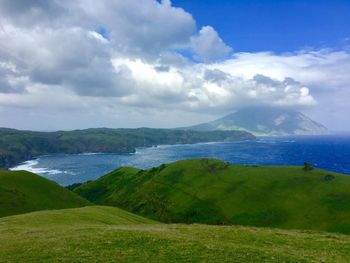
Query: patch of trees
[(17, 146)]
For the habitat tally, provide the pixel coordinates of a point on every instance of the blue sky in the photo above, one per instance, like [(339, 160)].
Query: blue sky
[(170, 63), (274, 25)]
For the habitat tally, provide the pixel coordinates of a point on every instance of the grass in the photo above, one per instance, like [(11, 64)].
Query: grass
[(211, 191), (105, 234), (200, 190), (22, 192)]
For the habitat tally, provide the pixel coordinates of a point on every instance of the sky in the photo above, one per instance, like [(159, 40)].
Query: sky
[(78, 64)]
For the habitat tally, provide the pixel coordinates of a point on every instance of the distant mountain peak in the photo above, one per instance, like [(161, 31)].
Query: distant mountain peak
[(265, 121)]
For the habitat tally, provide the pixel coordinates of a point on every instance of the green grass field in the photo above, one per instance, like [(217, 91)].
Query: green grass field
[(22, 192), (214, 192), (106, 234), (200, 190)]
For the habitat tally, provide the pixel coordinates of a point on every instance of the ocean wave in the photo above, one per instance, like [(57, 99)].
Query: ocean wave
[(30, 167), (182, 145), (90, 153), (267, 141), (272, 141)]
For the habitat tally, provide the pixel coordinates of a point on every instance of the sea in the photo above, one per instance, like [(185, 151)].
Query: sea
[(330, 152)]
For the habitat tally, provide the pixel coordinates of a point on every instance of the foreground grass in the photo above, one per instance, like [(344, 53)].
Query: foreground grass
[(104, 234), (211, 191), (22, 192)]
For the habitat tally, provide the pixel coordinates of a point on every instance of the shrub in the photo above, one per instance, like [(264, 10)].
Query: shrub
[(329, 177), (308, 166)]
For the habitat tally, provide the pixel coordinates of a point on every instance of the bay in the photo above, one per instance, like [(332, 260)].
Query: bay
[(331, 152)]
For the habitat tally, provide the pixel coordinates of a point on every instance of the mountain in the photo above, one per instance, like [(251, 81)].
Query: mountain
[(263, 121), (22, 192), (17, 146), (211, 191), (106, 234)]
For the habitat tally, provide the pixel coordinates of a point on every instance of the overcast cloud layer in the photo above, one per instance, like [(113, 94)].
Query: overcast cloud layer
[(85, 63)]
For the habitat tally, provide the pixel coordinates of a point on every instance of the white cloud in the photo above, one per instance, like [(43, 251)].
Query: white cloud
[(198, 88), (325, 73), (319, 68), (144, 27), (208, 46), (110, 56)]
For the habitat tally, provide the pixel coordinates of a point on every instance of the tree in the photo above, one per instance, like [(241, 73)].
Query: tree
[(307, 166)]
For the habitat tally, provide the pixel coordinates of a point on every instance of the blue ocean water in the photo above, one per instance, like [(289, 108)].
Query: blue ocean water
[(331, 152)]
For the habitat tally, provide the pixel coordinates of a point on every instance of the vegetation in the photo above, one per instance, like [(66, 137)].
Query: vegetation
[(22, 192), (211, 191), (198, 190), (17, 146), (308, 166), (105, 234)]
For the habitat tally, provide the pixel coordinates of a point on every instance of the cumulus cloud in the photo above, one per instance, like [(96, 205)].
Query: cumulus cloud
[(98, 54), (208, 46), (10, 81), (323, 72), (31, 13), (144, 27), (202, 89), (69, 57), (319, 69), (129, 55)]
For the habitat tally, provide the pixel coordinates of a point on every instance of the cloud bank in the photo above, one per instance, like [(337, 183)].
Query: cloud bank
[(112, 58)]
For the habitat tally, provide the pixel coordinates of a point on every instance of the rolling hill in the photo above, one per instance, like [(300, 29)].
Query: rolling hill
[(211, 191), (22, 192), (265, 121), (105, 234)]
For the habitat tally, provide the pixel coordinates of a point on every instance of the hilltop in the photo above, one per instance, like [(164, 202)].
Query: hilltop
[(17, 146), (105, 234), (211, 191), (265, 121), (22, 192)]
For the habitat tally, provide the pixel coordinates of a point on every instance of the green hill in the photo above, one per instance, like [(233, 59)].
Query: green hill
[(211, 191), (17, 146), (105, 234), (22, 192)]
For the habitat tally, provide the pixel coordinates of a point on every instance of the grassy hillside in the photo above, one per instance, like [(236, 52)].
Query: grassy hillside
[(104, 234), (17, 146), (214, 192), (22, 192)]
